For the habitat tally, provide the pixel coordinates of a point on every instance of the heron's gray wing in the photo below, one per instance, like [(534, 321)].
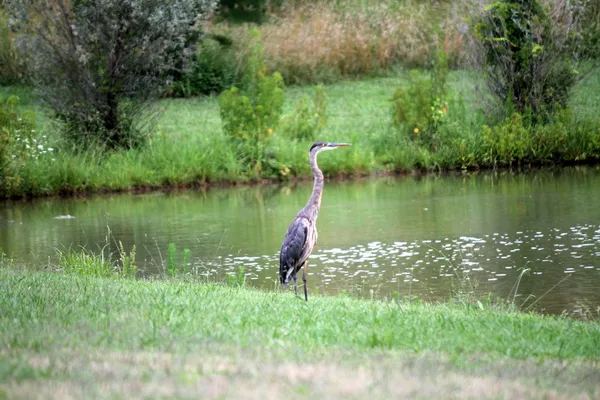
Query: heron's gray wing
[(293, 250)]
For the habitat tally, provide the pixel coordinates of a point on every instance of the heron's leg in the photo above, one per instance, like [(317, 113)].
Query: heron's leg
[(295, 286), (304, 279)]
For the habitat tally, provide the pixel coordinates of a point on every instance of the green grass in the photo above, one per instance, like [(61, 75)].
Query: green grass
[(165, 315), (75, 329)]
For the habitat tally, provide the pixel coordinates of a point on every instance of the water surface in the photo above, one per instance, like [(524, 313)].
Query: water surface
[(382, 237)]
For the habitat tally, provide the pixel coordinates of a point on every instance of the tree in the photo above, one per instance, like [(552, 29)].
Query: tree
[(98, 63), (528, 62)]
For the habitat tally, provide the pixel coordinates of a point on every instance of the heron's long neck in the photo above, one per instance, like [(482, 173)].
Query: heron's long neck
[(314, 202)]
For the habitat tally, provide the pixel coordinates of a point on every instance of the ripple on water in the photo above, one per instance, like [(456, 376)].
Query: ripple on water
[(493, 258)]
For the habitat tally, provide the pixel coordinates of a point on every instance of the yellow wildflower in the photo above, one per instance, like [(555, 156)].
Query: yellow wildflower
[(416, 130)]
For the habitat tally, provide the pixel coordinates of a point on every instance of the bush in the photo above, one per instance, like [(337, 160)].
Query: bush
[(213, 70), (518, 140), (420, 109), (98, 63), (527, 62), (306, 123), (580, 25), (507, 143), (12, 64), (18, 142), (250, 116)]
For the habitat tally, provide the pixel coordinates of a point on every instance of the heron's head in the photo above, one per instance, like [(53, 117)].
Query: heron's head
[(320, 146)]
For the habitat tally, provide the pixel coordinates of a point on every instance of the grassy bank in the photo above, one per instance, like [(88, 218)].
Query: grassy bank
[(189, 147), (64, 335)]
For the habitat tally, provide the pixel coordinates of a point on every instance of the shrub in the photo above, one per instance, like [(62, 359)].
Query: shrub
[(578, 22), (245, 10), (213, 70), (18, 142), (250, 116), (420, 109), (507, 143), (11, 62), (518, 140), (306, 122), (527, 63), (98, 63)]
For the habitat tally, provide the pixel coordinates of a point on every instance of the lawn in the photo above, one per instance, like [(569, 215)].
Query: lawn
[(65, 335)]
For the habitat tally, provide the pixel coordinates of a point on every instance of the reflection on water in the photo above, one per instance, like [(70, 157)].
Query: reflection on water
[(377, 237)]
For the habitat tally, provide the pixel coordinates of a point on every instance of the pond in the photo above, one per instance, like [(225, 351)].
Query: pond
[(425, 235)]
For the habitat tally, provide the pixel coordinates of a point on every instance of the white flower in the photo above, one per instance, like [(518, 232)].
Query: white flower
[(40, 146), (50, 149)]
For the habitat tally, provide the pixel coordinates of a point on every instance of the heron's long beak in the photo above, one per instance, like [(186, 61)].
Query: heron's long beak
[(335, 145)]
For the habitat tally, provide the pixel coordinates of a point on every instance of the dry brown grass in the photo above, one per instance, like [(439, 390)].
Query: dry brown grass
[(323, 41), (236, 374)]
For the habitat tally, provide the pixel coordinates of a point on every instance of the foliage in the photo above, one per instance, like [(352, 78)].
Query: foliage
[(251, 115), (18, 143), (582, 20), (244, 10), (306, 123), (507, 143), (12, 64), (212, 71), (97, 63), (527, 66), (192, 150), (518, 140), (419, 110)]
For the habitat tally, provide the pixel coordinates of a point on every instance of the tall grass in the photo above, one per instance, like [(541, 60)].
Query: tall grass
[(326, 40), (85, 263)]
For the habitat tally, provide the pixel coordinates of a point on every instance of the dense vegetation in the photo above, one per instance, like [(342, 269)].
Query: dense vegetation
[(533, 105)]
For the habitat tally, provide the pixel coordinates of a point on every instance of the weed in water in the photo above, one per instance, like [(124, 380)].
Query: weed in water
[(174, 268), (171, 259), (128, 266), (236, 279)]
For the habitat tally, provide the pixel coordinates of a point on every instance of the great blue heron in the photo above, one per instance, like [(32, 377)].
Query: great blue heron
[(301, 236)]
